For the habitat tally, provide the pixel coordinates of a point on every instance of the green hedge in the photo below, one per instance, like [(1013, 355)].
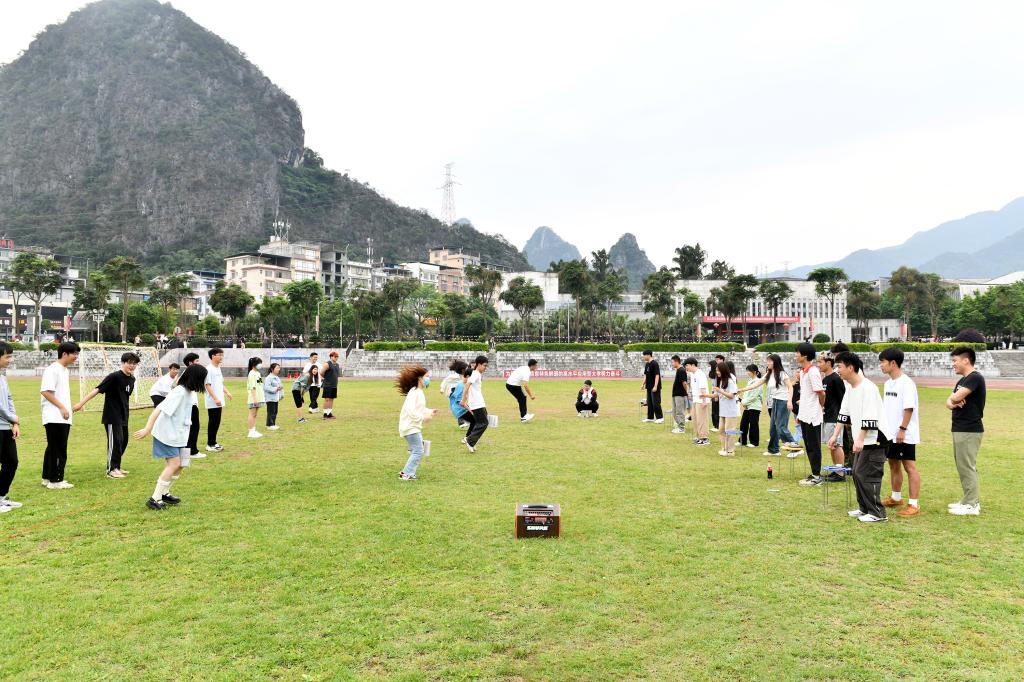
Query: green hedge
[(478, 346), (909, 347), (557, 347), (790, 347), (392, 345), (685, 347)]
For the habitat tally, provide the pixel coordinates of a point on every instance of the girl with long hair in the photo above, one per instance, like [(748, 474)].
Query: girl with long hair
[(299, 388), (713, 377), (780, 393), (254, 391), (411, 382), (315, 382), (750, 428), (728, 407)]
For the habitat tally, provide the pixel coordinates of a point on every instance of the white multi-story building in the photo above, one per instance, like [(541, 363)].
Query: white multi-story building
[(203, 283), (56, 310), (265, 271)]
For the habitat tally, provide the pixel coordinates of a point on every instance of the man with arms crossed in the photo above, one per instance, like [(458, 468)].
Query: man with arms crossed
[(968, 407)]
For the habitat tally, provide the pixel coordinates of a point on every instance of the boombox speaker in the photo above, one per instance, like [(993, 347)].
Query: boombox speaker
[(538, 520)]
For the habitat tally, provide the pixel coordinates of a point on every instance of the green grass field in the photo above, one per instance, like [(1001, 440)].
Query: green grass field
[(301, 556)]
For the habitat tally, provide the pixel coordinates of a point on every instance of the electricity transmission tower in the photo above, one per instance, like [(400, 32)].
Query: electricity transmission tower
[(448, 196)]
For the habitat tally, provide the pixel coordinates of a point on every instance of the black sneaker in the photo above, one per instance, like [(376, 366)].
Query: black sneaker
[(171, 499), (153, 504), (811, 480), (834, 478)]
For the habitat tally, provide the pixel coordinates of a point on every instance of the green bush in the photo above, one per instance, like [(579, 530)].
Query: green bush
[(527, 346), (821, 338), (685, 347), (148, 339), (790, 347), (48, 346), (910, 347), (392, 345), (478, 346)]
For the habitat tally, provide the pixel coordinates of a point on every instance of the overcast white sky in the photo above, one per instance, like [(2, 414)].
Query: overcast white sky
[(746, 126)]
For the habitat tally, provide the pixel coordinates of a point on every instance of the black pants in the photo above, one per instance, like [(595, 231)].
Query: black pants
[(868, 469), (8, 460), (193, 432), (314, 393), (583, 407), (714, 413), (157, 399), (812, 444), (271, 414), (117, 443), (654, 404), (56, 455), (750, 428), (477, 428), (213, 427), (517, 391)]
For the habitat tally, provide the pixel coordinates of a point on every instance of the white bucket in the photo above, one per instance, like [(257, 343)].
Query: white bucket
[(492, 420), (426, 448)]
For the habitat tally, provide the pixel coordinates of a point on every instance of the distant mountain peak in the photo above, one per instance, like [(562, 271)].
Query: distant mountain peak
[(627, 254), (545, 247)]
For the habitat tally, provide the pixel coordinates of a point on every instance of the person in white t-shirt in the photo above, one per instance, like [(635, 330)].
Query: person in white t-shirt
[(780, 399), (163, 385), (862, 410), (700, 398), (214, 394), (810, 415), (517, 383), (55, 405), (473, 400), (315, 382), (903, 431)]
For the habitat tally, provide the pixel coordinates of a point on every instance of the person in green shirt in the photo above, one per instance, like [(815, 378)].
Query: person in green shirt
[(254, 393), (752, 401)]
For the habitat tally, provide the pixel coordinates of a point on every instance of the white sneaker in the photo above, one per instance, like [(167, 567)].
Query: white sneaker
[(211, 448), (10, 503), (713, 430), (869, 518), (255, 434), (60, 485), (855, 513), (792, 454), (678, 430), (464, 425), (275, 427), (198, 455), (647, 421), (966, 510), (4, 508), (954, 504), (312, 411), (464, 441), (471, 448), (751, 445), (659, 421), (593, 415), (528, 417), (46, 484)]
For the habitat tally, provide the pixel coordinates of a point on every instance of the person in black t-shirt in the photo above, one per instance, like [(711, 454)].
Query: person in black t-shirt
[(679, 395), (835, 389), (967, 405), (115, 387), (652, 384)]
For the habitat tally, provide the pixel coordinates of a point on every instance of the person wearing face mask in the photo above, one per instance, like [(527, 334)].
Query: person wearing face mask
[(411, 382)]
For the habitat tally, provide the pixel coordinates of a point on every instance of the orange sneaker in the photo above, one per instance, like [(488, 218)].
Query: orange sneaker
[(911, 510), (889, 502)]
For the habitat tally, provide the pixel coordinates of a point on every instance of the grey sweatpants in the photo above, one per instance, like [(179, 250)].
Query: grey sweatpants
[(679, 410), (965, 453)]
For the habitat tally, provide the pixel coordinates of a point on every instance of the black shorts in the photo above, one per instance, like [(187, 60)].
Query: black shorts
[(904, 451), (297, 397), (330, 393)]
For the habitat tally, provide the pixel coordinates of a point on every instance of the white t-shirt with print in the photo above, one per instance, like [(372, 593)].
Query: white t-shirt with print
[(476, 391), (699, 392), (215, 378), (519, 376), (862, 409), (56, 378), (901, 394), (811, 411)]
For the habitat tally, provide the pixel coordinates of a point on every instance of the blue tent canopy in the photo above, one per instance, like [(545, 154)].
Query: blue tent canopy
[(290, 354)]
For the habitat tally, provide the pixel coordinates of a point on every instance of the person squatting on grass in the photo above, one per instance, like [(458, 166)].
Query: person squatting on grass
[(411, 382), (330, 373), (517, 383), (751, 401), (193, 429), (652, 384), (301, 384), (10, 430), (727, 391), (700, 400), (586, 399), (170, 425), (780, 393), (272, 393), (213, 397), (903, 431), (473, 400), (862, 410), (163, 385), (835, 389), (254, 394), (967, 405), (116, 387), (679, 395), (810, 414), (457, 373), (55, 405)]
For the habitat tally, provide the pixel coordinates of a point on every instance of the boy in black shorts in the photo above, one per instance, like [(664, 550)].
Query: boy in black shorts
[(902, 430)]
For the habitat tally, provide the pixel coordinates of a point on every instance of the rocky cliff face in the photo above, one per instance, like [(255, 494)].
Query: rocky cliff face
[(130, 129), (545, 247), (628, 255)]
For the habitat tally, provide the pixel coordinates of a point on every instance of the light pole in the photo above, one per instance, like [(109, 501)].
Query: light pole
[(318, 315)]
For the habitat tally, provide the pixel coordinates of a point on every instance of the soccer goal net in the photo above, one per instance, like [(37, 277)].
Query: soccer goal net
[(96, 362)]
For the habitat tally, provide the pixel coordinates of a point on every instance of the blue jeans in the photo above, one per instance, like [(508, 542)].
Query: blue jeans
[(779, 426), (415, 442)]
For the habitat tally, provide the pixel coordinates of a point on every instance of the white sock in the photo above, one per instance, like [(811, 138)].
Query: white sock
[(912, 502), (897, 495), (161, 489), (327, 411)]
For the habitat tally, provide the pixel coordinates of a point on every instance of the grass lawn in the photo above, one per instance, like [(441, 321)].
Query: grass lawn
[(301, 556)]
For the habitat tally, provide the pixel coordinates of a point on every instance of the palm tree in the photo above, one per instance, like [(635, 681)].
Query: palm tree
[(861, 297), (574, 279), (127, 273), (828, 282), (774, 292), (907, 283)]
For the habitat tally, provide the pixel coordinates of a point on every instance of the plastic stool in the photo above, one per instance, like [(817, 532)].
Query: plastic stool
[(835, 469)]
